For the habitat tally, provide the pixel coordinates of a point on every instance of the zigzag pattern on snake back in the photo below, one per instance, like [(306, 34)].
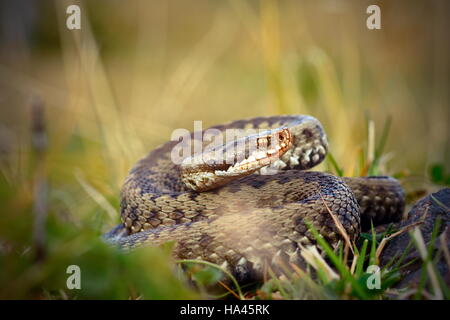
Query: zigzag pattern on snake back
[(251, 222)]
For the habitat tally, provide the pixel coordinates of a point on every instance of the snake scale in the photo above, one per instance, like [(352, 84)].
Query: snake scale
[(254, 212)]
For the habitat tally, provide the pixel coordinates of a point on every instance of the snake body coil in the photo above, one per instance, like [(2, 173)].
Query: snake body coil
[(241, 215)]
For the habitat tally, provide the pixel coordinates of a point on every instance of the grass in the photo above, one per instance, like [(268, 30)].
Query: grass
[(112, 92), (331, 276)]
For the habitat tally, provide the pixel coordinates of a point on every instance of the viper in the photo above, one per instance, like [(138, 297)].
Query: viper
[(248, 202)]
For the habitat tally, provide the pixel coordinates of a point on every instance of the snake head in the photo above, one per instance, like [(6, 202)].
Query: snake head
[(235, 159)]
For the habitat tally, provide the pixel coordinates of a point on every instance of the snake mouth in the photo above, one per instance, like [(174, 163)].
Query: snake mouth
[(269, 149), (221, 165)]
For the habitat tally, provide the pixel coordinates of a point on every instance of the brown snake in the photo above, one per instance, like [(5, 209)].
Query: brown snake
[(225, 205)]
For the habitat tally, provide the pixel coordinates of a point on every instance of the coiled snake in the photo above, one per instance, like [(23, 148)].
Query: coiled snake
[(247, 207)]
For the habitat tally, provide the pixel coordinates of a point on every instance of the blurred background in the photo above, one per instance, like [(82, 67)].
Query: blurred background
[(80, 107)]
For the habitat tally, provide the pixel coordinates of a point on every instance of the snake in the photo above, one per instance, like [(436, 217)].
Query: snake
[(241, 195)]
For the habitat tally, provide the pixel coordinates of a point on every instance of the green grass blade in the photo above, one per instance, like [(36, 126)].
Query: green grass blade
[(340, 265), (213, 265), (361, 258), (380, 147), (373, 248), (333, 162), (384, 136)]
